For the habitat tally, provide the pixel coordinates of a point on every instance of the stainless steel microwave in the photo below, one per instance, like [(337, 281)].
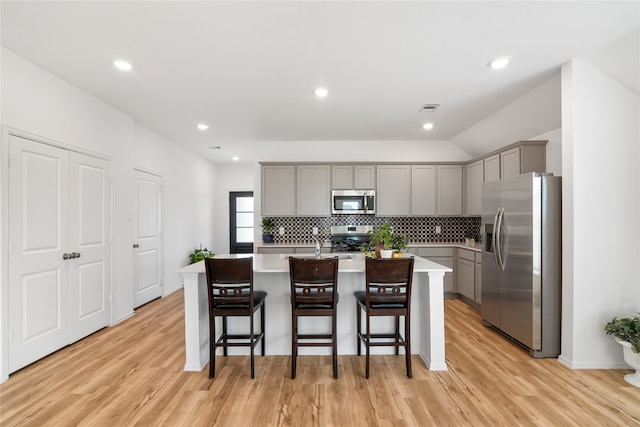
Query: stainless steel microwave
[(353, 202)]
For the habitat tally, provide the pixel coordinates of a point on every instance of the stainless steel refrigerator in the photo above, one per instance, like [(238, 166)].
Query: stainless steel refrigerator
[(521, 260)]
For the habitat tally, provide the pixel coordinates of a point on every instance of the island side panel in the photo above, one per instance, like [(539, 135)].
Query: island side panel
[(432, 319), (196, 321)]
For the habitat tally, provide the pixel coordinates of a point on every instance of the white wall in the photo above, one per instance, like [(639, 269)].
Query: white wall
[(189, 185), (235, 177), (39, 103), (601, 211), (541, 106)]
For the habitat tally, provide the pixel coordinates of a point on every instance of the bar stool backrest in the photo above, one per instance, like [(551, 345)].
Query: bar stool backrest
[(230, 282), (388, 281), (314, 281)]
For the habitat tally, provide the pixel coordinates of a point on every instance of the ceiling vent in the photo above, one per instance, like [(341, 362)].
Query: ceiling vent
[(428, 108)]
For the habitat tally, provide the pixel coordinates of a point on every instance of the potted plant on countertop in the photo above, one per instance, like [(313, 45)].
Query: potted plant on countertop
[(267, 226), (200, 254), (626, 332), (385, 243)]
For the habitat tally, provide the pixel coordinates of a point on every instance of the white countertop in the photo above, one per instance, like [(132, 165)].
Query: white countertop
[(278, 263), (475, 247)]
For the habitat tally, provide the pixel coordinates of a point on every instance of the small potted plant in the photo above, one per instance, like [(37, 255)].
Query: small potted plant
[(200, 254), (267, 226), (626, 332), (385, 242)]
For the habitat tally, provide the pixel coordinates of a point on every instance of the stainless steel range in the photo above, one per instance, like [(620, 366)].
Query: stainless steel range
[(349, 238)]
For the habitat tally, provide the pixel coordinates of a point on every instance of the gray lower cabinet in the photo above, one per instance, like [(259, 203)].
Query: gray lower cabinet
[(478, 277), (466, 274), (469, 274), (443, 256)]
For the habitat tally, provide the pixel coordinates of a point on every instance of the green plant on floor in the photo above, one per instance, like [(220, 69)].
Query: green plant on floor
[(200, 254), (625, 329)]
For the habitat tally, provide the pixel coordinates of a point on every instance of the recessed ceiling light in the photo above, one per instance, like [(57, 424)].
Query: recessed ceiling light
[(235, 158), (321, 92), (203, 126), (498, 63), (427, 126), (122, 65)]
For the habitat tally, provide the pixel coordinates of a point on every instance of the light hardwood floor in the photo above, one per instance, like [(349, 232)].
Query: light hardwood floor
[(132, 374)]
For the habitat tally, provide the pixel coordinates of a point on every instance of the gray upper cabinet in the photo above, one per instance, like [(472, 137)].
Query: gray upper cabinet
[(423, 190), (529, 156), (523, 157), (349, 177), (492, 168), (436, 190), (449, 189), (393, 191), (364, 177), (342, 177), (510, 163), (278, 190), (314, 190), (473, 188)]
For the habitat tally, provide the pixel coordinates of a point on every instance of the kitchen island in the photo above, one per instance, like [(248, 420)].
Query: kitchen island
[(271, 274)]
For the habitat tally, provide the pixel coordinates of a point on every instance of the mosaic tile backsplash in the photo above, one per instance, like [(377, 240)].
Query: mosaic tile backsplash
[(417, 229)]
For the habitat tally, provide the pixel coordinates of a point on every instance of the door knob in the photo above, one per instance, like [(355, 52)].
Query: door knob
[(135, 245)]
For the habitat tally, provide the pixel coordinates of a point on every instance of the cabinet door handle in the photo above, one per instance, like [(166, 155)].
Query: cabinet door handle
[(75, 255), (135, 245), (65, 256)]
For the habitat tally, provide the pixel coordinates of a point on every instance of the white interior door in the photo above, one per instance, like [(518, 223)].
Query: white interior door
[(90, 240), (148, 242), (59, 248), (38, 239)]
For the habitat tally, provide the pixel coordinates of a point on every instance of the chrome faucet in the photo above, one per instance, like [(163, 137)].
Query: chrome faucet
[(318, 250)]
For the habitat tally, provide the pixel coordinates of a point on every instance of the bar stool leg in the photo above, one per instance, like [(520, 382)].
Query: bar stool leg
[(334, 344), (397, 337), (224, 334), (212, 349), (251, 343), (359, 327), (367, 344), (294, 347), (262, 331), (407, 336)]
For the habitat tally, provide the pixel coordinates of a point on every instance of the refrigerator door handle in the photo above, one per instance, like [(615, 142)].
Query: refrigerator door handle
[(498, 235), (494, 237)]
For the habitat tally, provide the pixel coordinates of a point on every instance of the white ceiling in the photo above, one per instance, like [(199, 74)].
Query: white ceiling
[(250, 68)]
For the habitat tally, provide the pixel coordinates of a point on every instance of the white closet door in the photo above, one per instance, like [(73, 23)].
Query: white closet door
[(90, 238), (38, 275), (148, 243)]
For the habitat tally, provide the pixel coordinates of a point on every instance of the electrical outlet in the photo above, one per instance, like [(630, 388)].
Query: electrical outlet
[(315, 231), (281, 231), (438, 229)]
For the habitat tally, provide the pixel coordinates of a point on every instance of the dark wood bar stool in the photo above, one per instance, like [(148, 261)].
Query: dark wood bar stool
[(388, 293), (230, 293), (314, 292)]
